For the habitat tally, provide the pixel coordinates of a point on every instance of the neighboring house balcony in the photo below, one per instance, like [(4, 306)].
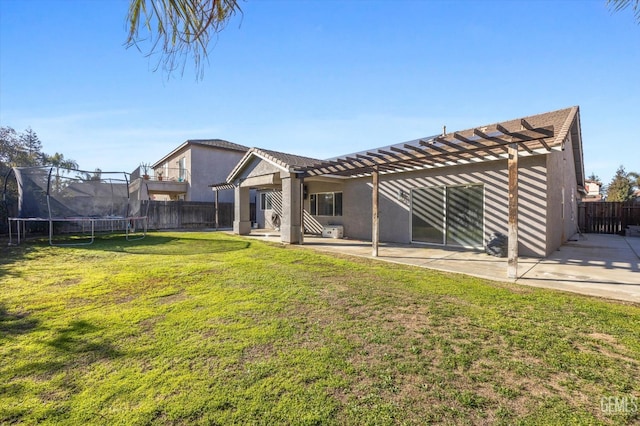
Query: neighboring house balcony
[(160, 184)]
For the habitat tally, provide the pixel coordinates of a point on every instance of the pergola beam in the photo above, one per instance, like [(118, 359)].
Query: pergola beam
[(497, 141), (361, 159), (432, 145), (473, 143), (456, 153), (485, 144), (416, 149), (525, 124), (455, 148), (519, 136), (449, 144), (411, 160)]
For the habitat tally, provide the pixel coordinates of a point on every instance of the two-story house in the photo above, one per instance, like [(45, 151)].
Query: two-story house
[(592, 189), (187, 172)]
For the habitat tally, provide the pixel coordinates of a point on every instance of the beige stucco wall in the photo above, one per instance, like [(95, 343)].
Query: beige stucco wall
[(264, 216), (171, 163), (205, 166), (259, 167), (541, 226), (314, 224), (254, 169), (395, 216), (562, 197), (208, 166)]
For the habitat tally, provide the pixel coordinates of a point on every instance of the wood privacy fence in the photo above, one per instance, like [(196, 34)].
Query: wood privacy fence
[(607, 217), (166, 215), (189, 214), (169, 215)]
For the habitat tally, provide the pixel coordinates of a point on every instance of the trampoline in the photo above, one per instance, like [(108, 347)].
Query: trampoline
[(71, 201)]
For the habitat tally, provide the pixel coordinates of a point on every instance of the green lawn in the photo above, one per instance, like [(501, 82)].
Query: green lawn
[(208, 328)]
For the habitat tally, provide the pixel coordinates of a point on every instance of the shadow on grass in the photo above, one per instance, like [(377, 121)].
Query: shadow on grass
[(53, 371), (77, 345), (155, 244), (8, 255), (152, 244), (74, 339), (16, 323)]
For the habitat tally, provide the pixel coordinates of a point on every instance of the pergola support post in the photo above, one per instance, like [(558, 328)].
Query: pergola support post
[(217, 210), (301, 209), (375, 228), (512, 249)]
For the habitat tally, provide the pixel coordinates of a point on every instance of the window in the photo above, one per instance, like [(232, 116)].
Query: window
[(448, 215), (182, 169), (326, 204), (266, 201)]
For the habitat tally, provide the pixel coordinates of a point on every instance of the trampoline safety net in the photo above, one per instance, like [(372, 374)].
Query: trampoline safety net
[(74, 199)]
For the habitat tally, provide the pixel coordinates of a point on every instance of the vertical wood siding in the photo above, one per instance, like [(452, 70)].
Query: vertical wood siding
[(189, 214), (607, 217)]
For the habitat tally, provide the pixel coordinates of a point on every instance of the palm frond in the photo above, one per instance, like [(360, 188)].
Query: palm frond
[(618, 5), (176, 30)]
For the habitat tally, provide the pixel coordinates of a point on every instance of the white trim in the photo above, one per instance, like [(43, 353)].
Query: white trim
[(253, 152), (334, 203), (444, 214)]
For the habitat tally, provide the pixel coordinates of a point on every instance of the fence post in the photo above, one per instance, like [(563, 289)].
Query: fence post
[(608, 217)]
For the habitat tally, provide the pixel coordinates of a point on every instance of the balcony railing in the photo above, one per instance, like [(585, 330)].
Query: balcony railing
[(162, 175)]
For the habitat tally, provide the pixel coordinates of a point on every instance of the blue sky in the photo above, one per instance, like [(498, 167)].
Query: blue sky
[(321, 78)]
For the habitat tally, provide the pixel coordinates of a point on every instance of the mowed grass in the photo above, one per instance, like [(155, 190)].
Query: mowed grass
[(209, 328)]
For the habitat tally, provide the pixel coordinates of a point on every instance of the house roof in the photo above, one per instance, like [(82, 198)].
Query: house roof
[(536, 134), (285, 162), (219, 143), (289, 161), (212, 143)]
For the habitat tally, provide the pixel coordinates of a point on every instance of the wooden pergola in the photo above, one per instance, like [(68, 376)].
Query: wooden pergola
[(219, 187), (476, 145)]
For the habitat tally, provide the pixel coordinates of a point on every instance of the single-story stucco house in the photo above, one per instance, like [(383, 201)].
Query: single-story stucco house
[(521, 178)]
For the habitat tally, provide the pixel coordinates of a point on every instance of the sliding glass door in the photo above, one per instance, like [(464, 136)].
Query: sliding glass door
[(451, 215), (465, 215), (427, 215)]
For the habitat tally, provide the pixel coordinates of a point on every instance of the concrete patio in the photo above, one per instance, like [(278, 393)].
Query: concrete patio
[(592, 264)]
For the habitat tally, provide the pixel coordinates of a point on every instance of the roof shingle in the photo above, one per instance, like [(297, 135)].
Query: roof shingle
[(218, 143)]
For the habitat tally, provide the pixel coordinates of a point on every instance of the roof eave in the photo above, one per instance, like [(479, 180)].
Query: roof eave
[(171, 154), (254, 152), (185, 144)]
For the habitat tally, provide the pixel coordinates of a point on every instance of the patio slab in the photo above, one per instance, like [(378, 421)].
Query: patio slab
[(597, 265)]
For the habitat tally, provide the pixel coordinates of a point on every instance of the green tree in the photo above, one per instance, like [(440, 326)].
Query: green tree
[(57, 160), (594, 178), (88, 177), (22, 150), (19, 149), (16, 149), (176, 29), (621, 186), (32, 146), (8, 143)]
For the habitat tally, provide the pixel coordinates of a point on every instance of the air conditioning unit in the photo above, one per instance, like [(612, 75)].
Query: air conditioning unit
[(333, 231)]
